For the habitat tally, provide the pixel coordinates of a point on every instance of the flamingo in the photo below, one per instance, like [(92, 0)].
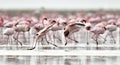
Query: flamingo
[(111, 28), (22, 26), (42, 33), (97, 30), (88, 27), (70, 29), (10, 32), (60, 25)]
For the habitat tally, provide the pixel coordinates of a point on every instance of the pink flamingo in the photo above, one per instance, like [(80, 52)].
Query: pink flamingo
[(9, 32), (70, 29), (42, 33), (22, 26), (88, 27), (97, 30), (60, 25), (111, 28)]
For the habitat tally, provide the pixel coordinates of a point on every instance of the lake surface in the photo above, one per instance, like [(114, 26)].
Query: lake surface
[(60, 60)]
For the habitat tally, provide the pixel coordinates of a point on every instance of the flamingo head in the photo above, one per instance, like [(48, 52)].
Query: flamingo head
[(105, 28), (83, 21), (44, 18), (64, 23), (53, 22)]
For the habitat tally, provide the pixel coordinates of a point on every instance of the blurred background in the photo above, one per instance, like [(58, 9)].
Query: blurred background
[(59, 4), (16, 7)]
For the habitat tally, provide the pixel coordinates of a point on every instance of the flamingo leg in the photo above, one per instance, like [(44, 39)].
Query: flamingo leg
[(57, 37), (4, 41), (105, 38), (112, 37), (49, 35), (8, 41), (24, 38), (50, 42), (54, 36), (96, 39), (42, 40), (17, 40), (102, 37), (93, 37), (73, 39), (16, 37), (11, 41), (87, 37), (73, 36), (65, 41), (35, 43)]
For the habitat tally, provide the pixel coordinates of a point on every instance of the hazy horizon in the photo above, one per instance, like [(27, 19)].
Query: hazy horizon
[(60, 4)]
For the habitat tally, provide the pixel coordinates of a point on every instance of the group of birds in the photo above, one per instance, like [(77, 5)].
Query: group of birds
[(94, 23)]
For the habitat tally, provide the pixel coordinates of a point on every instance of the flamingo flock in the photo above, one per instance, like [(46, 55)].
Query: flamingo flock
[(94, 23)]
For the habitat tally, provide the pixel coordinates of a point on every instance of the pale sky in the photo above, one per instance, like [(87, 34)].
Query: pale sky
[(60, 4)]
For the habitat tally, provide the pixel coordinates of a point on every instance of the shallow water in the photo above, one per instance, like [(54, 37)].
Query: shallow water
[(59, 60)]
